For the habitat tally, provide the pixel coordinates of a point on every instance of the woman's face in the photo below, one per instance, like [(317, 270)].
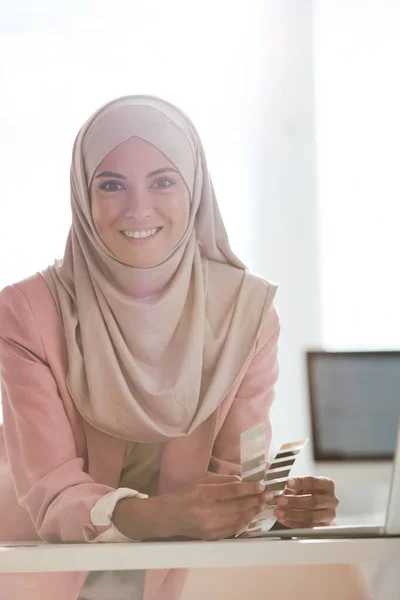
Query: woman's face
[(140, 203)]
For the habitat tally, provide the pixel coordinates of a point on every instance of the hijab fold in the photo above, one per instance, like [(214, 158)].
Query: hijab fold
[(153, 351)]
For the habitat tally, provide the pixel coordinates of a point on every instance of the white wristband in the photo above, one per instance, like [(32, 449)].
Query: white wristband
[(102, 513)]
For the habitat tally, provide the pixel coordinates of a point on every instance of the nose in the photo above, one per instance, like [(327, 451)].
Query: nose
[(138, 204)]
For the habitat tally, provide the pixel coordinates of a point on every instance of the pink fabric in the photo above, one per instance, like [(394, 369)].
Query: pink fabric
[(54, 466)]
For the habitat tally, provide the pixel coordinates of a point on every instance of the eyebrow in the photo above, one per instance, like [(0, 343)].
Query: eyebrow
[(119, 176), (163, 170), (110, 174)]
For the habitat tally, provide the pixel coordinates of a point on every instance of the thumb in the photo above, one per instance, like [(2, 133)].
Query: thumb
[(303, 485), (294, 484)]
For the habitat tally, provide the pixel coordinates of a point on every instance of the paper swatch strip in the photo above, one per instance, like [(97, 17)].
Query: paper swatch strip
[(252, 454), (279, 471), (253, 463)]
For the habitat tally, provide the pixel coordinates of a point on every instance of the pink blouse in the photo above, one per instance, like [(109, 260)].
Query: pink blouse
[(55, 467)]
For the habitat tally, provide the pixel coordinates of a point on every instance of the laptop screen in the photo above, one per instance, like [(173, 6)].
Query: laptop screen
[(355, 404)]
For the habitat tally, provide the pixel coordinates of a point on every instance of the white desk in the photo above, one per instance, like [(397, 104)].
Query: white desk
[(195, 554)]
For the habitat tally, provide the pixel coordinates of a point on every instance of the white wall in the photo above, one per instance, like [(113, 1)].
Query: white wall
[(357, 49)]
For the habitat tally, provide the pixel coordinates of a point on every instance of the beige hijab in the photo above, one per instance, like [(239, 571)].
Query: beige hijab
[(153, 351)]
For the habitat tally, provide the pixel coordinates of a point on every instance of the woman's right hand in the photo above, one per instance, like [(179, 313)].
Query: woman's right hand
[(211, 508), (214, 507)]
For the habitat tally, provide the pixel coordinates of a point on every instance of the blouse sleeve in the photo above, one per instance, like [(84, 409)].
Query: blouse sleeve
[(252, 402), (64, 503)]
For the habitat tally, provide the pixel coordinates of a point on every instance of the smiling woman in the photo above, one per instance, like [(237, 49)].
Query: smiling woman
[(144, 353), (131, 367), (140, 212)]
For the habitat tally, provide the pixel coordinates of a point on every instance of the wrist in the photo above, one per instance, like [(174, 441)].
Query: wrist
[(141, 518)]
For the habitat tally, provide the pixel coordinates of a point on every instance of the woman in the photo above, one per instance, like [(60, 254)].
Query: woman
[(131, 367)]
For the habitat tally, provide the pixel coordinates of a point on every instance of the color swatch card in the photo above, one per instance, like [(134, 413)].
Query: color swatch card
[(252, 454), (253, 464)]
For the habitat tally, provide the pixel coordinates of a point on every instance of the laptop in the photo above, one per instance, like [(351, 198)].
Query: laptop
[(354, 401)]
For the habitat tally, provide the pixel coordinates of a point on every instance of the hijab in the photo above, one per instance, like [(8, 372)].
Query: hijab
[(152, 352)]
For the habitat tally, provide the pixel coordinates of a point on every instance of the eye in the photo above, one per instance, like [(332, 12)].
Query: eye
[(163, 183), (111, 186)]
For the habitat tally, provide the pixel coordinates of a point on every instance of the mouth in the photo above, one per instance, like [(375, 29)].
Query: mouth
[(135, 236)]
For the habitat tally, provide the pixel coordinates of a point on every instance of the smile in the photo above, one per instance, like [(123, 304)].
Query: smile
[(140, 235)]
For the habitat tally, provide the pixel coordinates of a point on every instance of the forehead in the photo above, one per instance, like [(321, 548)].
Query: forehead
[(134, 154)]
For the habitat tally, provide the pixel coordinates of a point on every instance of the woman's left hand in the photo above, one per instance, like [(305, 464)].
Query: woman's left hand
[(307, 502)]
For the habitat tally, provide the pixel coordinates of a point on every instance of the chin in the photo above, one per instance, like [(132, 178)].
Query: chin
[(135, 261)]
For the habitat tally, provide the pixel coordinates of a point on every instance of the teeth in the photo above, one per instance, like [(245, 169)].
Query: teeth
[(140, 234)]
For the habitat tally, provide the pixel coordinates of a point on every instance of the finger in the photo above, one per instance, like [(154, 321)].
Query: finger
[(219, 478), (245, 518), (306, 518), (311, 485), (238, 505), (307, 502), (238, 489), (228, 526)]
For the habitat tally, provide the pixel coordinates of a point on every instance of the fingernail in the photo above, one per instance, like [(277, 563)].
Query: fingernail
[(291, 483), (261, 485), (268, 496)]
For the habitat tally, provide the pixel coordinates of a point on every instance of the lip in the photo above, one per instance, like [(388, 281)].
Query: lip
[(140, 240)]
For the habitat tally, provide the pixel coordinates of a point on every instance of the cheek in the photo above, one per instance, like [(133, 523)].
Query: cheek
[(103, 213), (178, 212)]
